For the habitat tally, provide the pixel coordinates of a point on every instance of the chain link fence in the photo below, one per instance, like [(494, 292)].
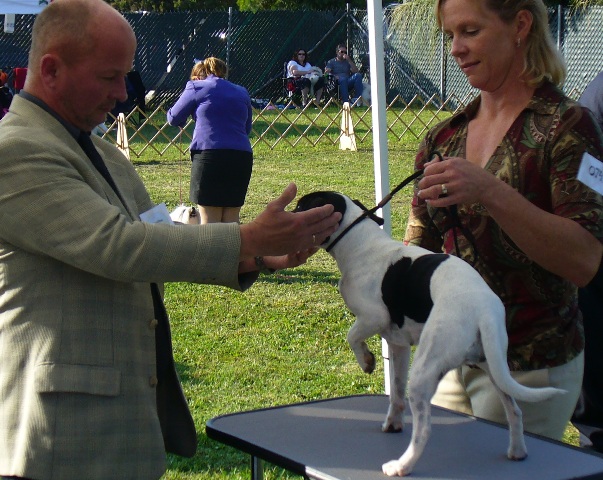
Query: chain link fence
[(256, 47), (432, 73)]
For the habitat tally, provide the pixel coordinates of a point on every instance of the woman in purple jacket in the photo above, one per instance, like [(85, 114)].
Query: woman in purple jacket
[(221, 153)]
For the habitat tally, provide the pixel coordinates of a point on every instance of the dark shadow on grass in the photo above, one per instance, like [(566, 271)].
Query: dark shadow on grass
[(147, 163), (184, 370), (138, 163), (291, 276)]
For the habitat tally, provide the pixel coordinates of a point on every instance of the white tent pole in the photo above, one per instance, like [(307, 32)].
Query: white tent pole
[(377, 65)]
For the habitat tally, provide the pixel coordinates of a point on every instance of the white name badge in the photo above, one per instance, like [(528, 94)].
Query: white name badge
[(591, 172), (157, 214)]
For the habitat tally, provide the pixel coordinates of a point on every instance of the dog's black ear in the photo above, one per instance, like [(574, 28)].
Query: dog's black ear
[(378, 220), (318, 199)]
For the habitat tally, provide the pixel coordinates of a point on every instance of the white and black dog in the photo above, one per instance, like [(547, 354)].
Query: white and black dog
[(404, 293), (186, 215)]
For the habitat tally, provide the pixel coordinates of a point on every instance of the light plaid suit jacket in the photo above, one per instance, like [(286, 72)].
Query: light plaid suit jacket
[(78, 378)]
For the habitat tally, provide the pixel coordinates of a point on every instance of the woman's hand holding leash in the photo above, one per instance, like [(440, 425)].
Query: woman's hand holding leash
[(454, 180)]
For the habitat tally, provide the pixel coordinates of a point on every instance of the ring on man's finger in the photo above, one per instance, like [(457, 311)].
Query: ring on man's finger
[(444, 189)]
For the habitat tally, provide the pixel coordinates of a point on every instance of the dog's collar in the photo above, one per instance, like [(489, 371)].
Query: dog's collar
[(364, 215), (368, 213)]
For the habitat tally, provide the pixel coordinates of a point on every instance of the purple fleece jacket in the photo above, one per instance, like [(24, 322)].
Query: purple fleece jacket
[(222, 114)]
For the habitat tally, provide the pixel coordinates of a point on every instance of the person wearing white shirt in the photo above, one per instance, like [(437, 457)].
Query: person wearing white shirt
[(305, 76)]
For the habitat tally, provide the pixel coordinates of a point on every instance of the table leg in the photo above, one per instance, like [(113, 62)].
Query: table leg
[(257, 468)]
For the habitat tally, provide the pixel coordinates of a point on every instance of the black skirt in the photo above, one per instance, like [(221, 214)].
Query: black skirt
[(220, 178)]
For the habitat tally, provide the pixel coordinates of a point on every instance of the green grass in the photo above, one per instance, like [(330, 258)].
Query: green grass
[(283, 340)]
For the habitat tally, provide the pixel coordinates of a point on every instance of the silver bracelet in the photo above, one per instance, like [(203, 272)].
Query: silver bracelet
[(262, 267)]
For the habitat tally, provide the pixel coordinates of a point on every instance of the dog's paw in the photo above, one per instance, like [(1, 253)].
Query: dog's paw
[(517, 454), (369, 363), (395, 468), (393, 427), (517, 448)]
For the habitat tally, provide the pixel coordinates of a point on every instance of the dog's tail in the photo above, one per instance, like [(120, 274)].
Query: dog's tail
[(494, 341)]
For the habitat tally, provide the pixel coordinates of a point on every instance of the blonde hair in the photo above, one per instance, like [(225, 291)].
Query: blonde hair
[(209, 66), (542, 61)]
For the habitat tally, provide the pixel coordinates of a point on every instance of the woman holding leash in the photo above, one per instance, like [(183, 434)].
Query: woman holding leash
[(220, 151), (509, 164)]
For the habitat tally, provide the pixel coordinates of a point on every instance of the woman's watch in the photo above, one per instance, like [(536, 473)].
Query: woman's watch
[(262, 267)]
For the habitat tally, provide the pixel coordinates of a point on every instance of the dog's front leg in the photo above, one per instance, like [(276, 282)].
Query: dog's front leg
[(421, 430), (399, 359), (360, 331)]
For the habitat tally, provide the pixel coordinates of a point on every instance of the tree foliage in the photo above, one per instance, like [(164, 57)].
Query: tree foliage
[(243, 5), (257, 5), (171, 5)]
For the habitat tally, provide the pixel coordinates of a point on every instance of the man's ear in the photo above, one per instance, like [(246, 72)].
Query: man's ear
[(50, 66)]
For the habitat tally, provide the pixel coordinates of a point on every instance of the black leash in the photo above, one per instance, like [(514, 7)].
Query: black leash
[(371, 212), (456, 222), (453, 210)]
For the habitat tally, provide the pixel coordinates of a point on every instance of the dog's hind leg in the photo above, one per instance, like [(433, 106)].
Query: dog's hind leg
[(517, 446), (421, 387), (360, 331), (399, 359)]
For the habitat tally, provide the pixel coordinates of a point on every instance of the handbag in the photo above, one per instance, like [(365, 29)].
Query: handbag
[(291, 84)]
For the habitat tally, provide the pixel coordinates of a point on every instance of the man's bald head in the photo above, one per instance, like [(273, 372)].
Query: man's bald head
[(80, 54), (72, 29)]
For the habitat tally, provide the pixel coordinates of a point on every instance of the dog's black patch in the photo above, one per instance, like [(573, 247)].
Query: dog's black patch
[(318, 199), (405, 288)]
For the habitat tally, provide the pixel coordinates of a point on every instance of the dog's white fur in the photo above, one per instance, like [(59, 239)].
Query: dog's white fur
[(465, 325), (366, 94), (186, 215)]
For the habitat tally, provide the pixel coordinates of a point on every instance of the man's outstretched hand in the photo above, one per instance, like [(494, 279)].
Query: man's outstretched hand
[(276, 231)]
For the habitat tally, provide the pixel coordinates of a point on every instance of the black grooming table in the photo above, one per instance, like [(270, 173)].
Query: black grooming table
[(341, 438)]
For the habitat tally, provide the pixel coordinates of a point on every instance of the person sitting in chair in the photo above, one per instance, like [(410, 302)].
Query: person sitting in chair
[(346, 72), (305, 76)]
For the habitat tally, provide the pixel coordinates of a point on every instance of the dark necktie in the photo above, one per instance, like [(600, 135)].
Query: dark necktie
[(86, 143)]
